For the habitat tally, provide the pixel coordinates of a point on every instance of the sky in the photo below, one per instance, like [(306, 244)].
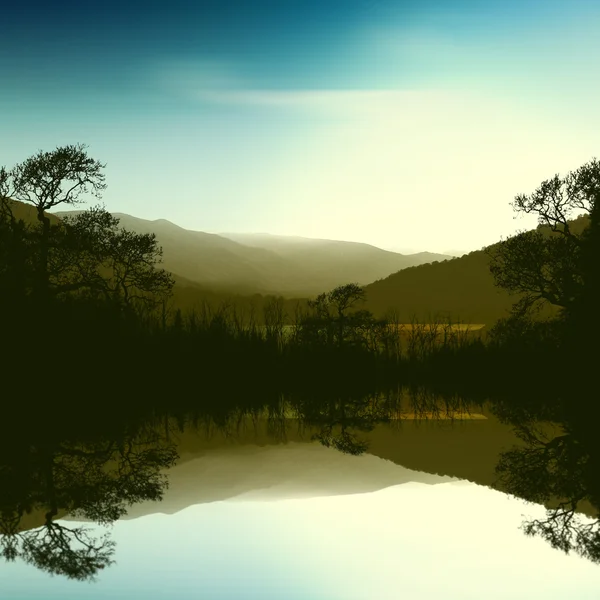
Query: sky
[(406, 124)]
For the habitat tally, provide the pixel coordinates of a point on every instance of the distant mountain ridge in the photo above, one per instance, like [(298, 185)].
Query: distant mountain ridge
[(268, 264), (288, 245)]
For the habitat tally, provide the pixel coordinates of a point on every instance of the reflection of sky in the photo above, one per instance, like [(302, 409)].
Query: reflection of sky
[(452, 540)]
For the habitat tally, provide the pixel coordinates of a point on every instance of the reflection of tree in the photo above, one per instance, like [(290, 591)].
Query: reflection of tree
[(558, 471), (565, 531), (345, 441), (97, 481), (339, 419), (50, 549)]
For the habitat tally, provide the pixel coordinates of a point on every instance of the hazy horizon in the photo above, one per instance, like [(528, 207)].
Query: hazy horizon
[(405, 126), (400, 249)]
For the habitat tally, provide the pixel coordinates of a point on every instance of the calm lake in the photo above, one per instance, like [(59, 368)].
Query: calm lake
[(264, 515)]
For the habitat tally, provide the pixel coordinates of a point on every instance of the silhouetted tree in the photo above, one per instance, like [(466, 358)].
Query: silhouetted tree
[(46, 180), (557, 265), (331, 320), (551, 267), (16, 256), (98, 257)]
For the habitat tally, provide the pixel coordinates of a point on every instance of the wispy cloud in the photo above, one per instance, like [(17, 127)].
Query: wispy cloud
[(220, 83), (323, 99)]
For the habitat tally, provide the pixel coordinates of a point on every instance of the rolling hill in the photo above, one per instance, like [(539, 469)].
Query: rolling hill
[(462, 289), (263, 264), (351, 261)]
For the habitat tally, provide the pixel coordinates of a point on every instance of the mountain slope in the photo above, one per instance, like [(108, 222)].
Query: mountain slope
[(214, 261), (28, 212), (462, 289), (279, 265), (350, 261)]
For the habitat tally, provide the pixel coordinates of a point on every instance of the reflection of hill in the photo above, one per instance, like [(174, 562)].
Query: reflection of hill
[(466, 449), (294, 470), (255, 465)]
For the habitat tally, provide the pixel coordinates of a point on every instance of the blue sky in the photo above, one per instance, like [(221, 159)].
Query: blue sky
[(408, 125)]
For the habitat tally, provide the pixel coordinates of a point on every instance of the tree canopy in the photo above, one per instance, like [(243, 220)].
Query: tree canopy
[(552, 268), (86, 254)]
